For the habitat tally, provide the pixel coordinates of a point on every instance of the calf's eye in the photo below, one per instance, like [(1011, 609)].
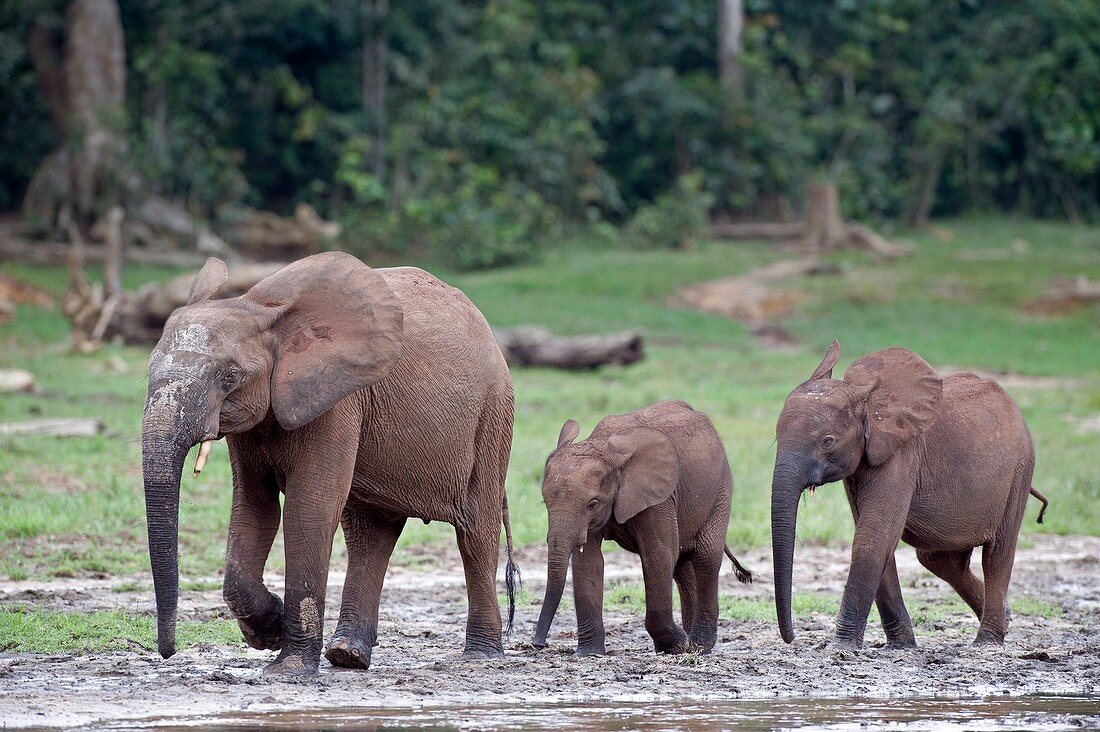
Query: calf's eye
[(828, 441), (592, 504)]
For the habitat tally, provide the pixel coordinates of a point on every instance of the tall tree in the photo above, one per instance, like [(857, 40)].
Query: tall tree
[(731, 20), (375, 45), (82, 73)]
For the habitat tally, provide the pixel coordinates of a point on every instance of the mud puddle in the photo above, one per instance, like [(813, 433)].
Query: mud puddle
[(1038, 712)]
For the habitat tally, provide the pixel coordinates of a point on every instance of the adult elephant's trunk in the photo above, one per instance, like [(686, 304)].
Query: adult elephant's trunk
[(793, 473), (557, 564), (166, 436)]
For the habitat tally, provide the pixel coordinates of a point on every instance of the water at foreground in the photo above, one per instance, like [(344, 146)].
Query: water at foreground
[(1036, 712)]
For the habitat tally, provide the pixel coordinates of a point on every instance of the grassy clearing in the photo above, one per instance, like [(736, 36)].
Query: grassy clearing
[(76, 507), (58, 632)]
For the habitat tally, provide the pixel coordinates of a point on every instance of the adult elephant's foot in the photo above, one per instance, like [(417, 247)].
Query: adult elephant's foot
[(259, 612), (844, 644), (290, 665), (350, 651), (264, 630), (482, 654), (589, 651)]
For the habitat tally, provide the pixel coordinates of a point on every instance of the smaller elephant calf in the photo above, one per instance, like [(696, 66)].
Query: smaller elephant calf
[(657, 482)]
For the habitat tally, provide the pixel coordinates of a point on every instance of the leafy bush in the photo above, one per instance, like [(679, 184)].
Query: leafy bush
[(676, 219)]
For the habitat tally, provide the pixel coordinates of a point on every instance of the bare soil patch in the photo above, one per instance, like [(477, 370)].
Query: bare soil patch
[(416, 663)]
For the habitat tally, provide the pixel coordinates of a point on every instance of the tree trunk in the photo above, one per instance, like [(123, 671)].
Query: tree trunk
[(927, 197), (730, 22), (375, 47), (825, 229), (83, 79)]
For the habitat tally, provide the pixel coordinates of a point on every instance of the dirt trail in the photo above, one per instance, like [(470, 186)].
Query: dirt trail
[(422, 620)]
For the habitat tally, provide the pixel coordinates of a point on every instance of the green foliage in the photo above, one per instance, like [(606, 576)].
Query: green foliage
[(676, 219), (47, 631), (501, 114)]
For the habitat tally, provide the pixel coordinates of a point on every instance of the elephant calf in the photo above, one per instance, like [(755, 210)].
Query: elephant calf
[(944, 463), (657, 482)]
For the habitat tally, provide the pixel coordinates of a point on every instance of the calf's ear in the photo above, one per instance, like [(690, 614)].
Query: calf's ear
[(650, 467), (904, 399)]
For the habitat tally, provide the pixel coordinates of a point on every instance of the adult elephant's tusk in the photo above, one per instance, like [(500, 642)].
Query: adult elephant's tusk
[(200, 459)]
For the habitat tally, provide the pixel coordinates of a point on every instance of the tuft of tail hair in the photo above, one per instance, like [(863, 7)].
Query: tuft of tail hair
[(1043, 500), (743, 575), (513, 579)]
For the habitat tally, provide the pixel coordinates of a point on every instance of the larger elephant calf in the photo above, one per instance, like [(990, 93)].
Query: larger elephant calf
[(943, 463), (364, 396)]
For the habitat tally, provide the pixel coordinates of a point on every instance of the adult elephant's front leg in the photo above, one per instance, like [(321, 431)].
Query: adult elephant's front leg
[(315, 496), (253, 524), (370, 543)]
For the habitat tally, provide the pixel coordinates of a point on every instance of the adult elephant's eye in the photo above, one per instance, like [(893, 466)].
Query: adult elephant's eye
[(828, 441), (231, 379), (592, 504)]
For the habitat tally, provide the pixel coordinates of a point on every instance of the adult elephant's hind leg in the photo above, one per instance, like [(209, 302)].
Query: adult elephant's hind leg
[(479, 548), (370, 543), (891, 608), (479, 538)]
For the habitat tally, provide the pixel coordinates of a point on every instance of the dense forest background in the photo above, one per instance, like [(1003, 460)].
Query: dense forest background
[(482, 129)]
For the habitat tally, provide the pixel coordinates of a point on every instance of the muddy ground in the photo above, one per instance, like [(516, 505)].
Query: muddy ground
[(416, 664)]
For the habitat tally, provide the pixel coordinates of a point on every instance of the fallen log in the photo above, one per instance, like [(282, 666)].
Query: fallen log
[(535, 346), (47, 252), (53, 428), (768, 231)]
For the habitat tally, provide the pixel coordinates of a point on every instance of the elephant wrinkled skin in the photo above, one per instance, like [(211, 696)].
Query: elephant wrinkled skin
[(366, 397)]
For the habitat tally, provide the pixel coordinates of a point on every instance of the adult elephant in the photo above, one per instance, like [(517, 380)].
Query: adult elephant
[(943, 463), (364, 396)]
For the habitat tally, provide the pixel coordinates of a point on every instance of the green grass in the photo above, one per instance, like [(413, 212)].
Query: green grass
[(43, 631), (75, 506)]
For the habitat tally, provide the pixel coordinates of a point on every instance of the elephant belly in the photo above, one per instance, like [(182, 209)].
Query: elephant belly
[(954, 517)]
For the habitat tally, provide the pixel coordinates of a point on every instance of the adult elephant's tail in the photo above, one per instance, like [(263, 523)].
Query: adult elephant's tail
[(743, 575), (1043, 500), (513, 579)]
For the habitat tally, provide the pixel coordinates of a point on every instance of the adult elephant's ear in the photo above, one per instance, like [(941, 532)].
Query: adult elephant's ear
[(209, 279), (651, 469), (903, 400), (337, 328)]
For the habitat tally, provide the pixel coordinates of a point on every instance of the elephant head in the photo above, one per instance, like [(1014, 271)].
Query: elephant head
[(828, 428), (295, 344), (587, 483)]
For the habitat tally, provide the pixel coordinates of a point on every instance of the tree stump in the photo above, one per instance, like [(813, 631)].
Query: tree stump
[(825, 229)]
